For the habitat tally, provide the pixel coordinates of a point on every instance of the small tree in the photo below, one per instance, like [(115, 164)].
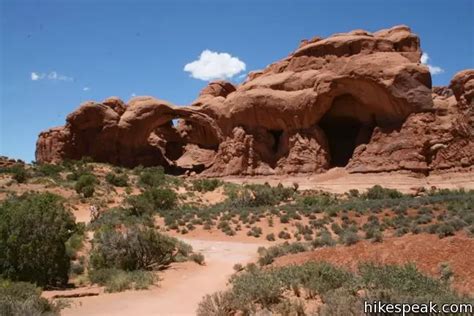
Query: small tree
[(33, 232)]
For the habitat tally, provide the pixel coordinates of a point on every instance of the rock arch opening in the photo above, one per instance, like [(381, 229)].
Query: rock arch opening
[(346, 125), (276, 139)]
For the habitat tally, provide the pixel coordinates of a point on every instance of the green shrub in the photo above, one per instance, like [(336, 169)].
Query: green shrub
[(33, 231), (49, 170), (284, 235), (217, 304), (267, 255), (118, 216), (206, 185), (378, 192), (238, 267), (118, 180), (255, 195), (152, 177), (197, 257), (88, 191), (21, 298), (340, 292), (445, 230), (161, 198), (116, 280), (139, 205), (324, 240), (255, 232), (75, 242), (341, 302), (256, 287), (317, 278), (270, 237), (349, 237), (318, 201), (85, 185), (18, 172), (403, 284), (134, 248)]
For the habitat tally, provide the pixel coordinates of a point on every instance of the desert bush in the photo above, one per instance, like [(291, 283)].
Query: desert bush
[(341, 292), (134, 248), (256, 287), (18, 172), (238, 267), (75, 242), (285, 219), (77, 268), (255, 232), (339, 302), (21, 298), (378, 192), (217, 304), (116, 280), (255, 195), (152, 177), (85, 185), (268, 255), (403, 284), (290, 307), (48, 170), (284, 235), (317, 278), (118, 216), (33, 231), (270, 237), (139, 205), (320, 201), (445, 230), (77, 168), (161, 198), (325, 239), (197, 257), (118, 180), (348, 237), (206, 185)]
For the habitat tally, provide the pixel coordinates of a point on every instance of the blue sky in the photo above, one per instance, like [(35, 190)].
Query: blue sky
[(83, 50)]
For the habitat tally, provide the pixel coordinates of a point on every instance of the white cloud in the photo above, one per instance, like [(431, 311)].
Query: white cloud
[(35, 76), (213, 65), (435, 70), (85, 89), (133, 94), (53, 75)]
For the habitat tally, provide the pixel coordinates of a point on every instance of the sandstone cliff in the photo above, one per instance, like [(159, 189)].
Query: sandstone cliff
[(358, 100)]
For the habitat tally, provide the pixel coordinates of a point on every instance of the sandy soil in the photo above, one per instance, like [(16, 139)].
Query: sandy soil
[(426, 251), (338, 180), (181, 288)]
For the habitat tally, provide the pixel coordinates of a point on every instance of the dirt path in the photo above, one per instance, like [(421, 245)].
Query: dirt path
[(181, 289)]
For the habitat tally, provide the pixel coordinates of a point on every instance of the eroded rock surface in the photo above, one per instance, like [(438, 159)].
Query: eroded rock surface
[(359, 100)]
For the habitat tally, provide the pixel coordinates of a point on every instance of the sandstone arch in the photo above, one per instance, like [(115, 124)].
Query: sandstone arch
[(147, 132)]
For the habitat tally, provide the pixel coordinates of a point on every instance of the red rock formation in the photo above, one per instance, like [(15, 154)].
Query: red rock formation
[(358, 99)]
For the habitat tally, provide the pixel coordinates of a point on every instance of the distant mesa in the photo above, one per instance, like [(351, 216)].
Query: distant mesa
[(357, 100)]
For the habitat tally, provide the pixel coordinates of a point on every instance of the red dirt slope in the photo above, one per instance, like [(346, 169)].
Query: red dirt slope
[(426, 251)]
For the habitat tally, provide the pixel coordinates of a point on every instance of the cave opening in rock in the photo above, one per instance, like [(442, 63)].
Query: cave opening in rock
[(346, 125), (276, 139)]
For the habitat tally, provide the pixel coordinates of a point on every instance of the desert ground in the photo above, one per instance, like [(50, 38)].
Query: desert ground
[(179, 288)]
